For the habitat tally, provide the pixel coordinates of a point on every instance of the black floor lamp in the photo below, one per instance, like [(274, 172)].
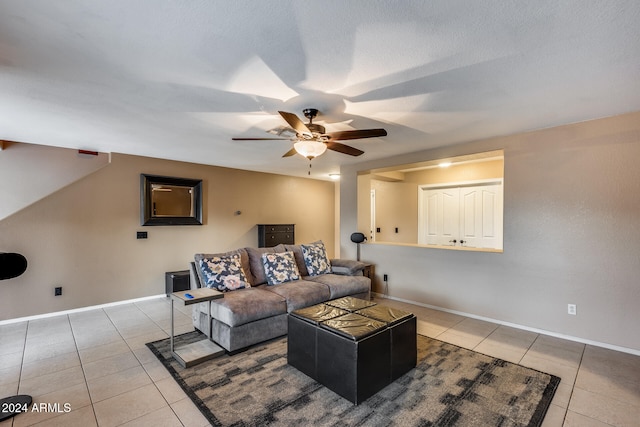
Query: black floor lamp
[(358, 238), (13, 265)]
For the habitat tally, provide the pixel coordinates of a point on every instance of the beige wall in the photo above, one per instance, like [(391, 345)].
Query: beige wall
[(458, 173), (571, 235), (396, 207), (83, 237)]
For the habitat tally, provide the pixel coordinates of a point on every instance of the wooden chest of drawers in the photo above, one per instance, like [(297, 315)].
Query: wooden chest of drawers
[(274, 234)]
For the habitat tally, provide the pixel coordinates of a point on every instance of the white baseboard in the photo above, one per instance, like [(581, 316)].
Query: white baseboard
[(514, 325), (77, 310)]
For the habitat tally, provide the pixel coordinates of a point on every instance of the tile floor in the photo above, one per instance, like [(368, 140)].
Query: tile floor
[(96, 361)]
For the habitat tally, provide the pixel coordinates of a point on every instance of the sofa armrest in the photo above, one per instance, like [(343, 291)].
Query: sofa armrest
[(195, 280), (347, 267), (201, 307)]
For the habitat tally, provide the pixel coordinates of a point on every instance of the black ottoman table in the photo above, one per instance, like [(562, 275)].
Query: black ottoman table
[(353, 356), (402, 326), (350, 304), (353, 347), (302, 336)]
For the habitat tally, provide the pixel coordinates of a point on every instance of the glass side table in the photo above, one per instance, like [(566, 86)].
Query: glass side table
[(197, 352)]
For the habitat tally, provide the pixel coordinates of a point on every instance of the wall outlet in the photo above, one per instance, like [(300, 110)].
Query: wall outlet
[(572, 309), (385, 277), (57, 291)]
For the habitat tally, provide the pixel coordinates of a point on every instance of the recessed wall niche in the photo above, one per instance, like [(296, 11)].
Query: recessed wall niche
[(448, 203)]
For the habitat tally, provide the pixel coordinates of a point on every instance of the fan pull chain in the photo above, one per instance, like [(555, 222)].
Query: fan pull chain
[(309, 167)]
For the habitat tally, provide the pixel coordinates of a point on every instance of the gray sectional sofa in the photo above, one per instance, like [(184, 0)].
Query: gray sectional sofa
[(257, 313)]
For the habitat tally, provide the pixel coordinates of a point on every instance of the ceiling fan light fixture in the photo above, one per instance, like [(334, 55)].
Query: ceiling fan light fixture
[(310, 148), (311, 140)]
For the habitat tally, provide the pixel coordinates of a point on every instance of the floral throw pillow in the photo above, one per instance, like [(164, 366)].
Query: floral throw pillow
[(315, 258), (280, 267), (223, 273)]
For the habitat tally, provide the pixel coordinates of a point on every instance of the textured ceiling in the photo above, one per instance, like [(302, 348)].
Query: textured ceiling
[(178, 79)]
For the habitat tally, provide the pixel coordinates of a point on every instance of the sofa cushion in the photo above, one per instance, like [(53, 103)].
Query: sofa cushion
[(297, 253), (247, 305), (341, 286), (223, 273), (256, 267), (300, 294), (315, 258), (280, 268)]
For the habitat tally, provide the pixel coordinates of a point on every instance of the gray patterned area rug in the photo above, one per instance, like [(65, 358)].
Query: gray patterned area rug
[(450, 386)]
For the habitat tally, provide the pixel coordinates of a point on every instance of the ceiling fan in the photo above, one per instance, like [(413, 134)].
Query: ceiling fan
[(311, 140)]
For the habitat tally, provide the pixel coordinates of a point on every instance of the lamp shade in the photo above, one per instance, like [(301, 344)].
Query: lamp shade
[(310, 148), (12, 265), (358, 238)]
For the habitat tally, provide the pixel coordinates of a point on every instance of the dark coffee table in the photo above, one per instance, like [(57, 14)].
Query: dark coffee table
[(302, 336), (353, 347), (402, 326)]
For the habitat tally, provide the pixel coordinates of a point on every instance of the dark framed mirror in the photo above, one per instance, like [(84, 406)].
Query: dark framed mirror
[(165, 200)]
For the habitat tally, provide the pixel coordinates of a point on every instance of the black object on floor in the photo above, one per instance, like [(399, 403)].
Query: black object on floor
[(14, 405), (13, 265)]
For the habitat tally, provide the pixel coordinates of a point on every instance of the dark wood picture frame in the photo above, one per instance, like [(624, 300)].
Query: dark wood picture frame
[(148, 215)]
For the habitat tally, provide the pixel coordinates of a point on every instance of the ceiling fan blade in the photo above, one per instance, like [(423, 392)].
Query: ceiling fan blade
[(290, 153), (260, 139), (344, 149), (356, 134), (295, 123)]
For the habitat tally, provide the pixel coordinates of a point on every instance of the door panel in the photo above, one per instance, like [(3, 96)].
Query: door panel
[(450, 218), (489, 203), (482, 212), (432, 209), (491, 216), (468, 224)]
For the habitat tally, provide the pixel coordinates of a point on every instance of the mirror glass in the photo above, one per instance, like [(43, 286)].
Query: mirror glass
[(170, 201), (452, 203)]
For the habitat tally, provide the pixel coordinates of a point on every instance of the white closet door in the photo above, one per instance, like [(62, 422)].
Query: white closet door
[(470, 227), (481, 216), (441, 216), (450, 216), (432, 202), (468, 215)]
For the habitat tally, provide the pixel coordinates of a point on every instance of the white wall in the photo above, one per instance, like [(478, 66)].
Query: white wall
[(571, 235), (29, 172)]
